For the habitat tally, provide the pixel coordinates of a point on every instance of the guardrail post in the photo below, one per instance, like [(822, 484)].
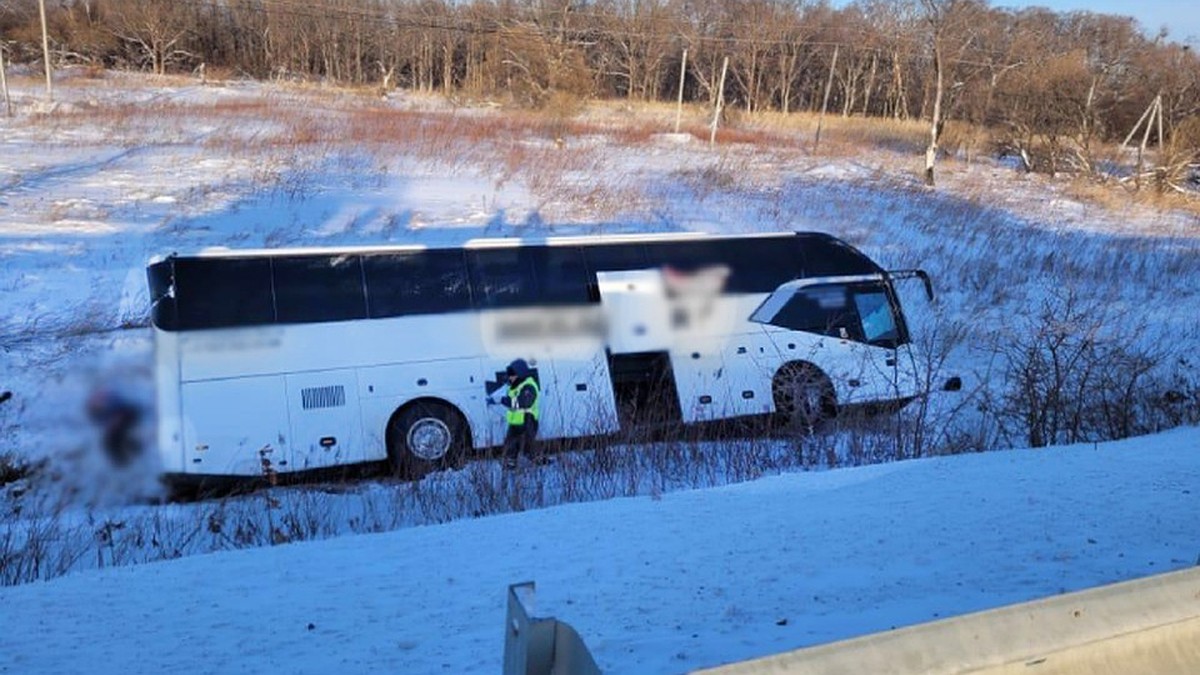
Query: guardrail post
[(541, 645)]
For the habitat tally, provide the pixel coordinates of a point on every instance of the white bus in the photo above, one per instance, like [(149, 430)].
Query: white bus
[(294, 360)]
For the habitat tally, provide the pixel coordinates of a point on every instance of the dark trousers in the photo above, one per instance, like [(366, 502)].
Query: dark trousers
[(519, 439), (120, 442)]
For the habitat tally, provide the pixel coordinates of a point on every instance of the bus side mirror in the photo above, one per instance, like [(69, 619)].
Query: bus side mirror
[(897, 275)]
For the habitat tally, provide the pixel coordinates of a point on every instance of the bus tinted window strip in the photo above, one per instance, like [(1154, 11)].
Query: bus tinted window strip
[(424, 282), (740, 253), (362, 277), (274, 295), (222, 293)]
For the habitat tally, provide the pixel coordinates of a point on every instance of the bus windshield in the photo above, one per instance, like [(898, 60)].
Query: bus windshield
[(859, 311)]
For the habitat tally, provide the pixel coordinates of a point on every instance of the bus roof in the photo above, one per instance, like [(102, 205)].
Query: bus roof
[(495, 242)]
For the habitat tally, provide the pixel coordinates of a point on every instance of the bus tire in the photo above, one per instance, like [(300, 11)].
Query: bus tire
[(804, 396), (426, 435)]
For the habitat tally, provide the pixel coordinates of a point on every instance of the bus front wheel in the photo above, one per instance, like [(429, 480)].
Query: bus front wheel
[(804, 396), (426, 436)]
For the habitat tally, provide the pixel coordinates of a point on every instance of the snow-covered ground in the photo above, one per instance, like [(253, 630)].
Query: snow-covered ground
[(123, 168), (654, 584)]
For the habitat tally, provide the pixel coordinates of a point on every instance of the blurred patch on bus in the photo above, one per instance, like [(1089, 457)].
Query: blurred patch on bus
[(531, 332), (240, 340)]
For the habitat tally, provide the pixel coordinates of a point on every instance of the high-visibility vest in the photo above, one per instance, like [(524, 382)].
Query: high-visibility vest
[(516, 414)]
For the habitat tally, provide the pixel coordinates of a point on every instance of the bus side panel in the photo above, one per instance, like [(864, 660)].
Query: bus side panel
[(700, 379), (385, 389), (858, 372), (167, 400), (748, 361), (751, 361), (232, 425), (326, 423), (577, 397)]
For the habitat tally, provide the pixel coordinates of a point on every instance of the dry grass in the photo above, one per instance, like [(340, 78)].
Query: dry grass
[(1120, 197), (796, 129), (51, 545), (847, 135), (296, 119)]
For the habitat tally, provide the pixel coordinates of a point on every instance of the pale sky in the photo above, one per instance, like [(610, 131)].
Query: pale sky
[(1181, 17)]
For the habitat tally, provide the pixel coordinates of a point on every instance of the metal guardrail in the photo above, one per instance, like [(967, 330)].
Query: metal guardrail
[(541, 645), (1148, 626)]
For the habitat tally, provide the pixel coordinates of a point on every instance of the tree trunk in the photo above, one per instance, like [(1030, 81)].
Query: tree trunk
[(866, 109), (935, 122)]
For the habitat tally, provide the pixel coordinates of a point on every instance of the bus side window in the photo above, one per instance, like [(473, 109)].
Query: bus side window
[(825, 310), (824, 256), (223, 292), (502, 277), (686, 256), (759, 265), (754, 265), (318, 288), (416, 282), (611, 258), (161, 277), (561, 275)]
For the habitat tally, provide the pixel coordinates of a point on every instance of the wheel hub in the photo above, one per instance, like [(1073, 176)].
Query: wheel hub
[(429, 438)]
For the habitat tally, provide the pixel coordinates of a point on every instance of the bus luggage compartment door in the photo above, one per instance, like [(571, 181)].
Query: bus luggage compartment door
[(233, 425), (326, 424), (635, 311)]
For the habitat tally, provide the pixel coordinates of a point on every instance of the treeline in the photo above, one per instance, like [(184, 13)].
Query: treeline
[(1057, 82)]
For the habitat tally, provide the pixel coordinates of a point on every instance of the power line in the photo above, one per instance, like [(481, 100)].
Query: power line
[(659, 27), (731, 31)]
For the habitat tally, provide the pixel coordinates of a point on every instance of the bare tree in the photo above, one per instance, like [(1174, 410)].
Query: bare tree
[(1108, 45), (703, 29), (949, 32), (155, 30), (635, 50), (892, 23), (792, 55), (752, 41), (1055, 87)]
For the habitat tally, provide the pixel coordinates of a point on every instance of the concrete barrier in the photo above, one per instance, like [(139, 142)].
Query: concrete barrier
[(1147, 626)]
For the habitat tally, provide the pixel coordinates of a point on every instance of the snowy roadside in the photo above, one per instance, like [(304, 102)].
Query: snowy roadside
[(654, 584)]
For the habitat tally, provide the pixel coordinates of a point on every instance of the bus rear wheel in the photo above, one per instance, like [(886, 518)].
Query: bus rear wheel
[(426, 436), (804, 397)]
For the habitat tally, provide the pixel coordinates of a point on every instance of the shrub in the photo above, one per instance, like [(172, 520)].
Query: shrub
[(1078, 371), (12, 468)]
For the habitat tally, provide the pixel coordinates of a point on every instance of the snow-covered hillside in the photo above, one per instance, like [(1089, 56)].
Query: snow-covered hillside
[(121, 168)]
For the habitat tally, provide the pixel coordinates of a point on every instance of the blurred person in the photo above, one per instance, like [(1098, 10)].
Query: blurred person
[(117, 418), (523, 404)]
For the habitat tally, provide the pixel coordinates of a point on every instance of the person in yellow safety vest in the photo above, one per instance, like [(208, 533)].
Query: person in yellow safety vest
[(522, 411)]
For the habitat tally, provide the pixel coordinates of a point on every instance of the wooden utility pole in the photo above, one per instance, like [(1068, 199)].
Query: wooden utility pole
[(46, 49), (1150, 118), (712, 137), (682, 76), (825, 102)]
